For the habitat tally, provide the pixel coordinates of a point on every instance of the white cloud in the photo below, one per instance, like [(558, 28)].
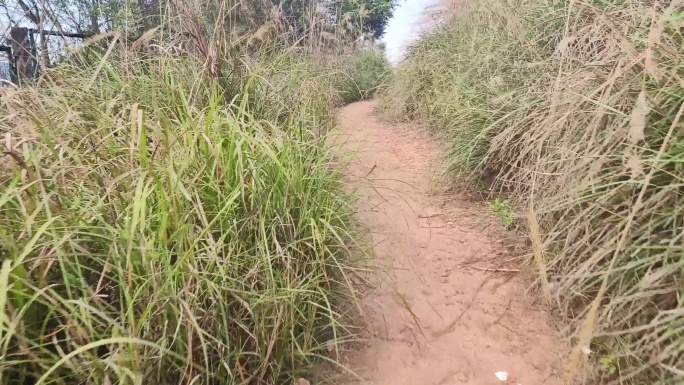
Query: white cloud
[(404, 27)]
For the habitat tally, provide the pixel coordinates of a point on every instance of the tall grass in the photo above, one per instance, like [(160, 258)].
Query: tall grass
[(362, 74), (574, 108), (159, 224)]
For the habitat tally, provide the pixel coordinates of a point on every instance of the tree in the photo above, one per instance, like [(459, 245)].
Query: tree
[(367, 16), (371, 15)]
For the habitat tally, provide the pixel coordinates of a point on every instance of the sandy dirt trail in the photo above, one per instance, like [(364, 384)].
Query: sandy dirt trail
[(436, 317)]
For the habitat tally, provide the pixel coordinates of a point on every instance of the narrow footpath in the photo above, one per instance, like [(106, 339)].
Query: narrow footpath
[(445, 309)]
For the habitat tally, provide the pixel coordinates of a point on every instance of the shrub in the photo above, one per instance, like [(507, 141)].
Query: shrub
[(575, 108), (363, 75), (157, 228)]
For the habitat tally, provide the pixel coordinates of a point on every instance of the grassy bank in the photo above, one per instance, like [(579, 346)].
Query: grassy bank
[(572, 109), (160, 223)]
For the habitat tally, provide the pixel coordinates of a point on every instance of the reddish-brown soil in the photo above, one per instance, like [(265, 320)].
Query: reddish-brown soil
[(436, 316)]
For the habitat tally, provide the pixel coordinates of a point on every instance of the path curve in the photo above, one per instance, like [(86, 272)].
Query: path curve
[(435, 317)]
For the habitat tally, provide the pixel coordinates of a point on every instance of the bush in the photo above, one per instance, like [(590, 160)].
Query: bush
[(574, 108), (363, 75), (158, 228)]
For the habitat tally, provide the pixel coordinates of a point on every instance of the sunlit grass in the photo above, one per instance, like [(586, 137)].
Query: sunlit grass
[(156, 227)]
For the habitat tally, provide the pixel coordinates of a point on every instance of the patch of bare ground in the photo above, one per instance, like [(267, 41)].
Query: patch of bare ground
[(443, 310)]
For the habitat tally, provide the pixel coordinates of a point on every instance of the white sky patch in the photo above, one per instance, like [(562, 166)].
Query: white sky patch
[(404, 27)]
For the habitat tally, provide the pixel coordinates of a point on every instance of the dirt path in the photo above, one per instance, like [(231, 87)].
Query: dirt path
[(435, 317)]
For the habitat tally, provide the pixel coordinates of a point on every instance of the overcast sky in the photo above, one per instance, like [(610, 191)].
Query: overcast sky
[(404, 27)]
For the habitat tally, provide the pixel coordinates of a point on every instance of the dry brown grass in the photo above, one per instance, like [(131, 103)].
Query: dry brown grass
[(575, 108)]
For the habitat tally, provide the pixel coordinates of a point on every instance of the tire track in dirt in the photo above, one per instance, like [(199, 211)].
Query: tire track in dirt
[(436, 316)]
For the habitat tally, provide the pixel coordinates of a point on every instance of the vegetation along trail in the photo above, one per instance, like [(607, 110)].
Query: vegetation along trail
[(172, 212), (437, 314)]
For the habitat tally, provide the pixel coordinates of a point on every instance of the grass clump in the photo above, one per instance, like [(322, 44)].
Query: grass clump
[(162, 225), (364, 73), (574, 109)]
